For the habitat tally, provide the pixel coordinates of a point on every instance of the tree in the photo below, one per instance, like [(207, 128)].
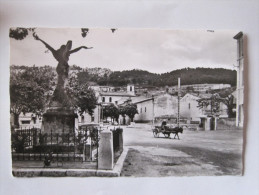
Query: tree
[(111, 111), (82, 96), (229, 102), (122, 112), (29, 90), (20, 33), (213, 102), (130, 110)]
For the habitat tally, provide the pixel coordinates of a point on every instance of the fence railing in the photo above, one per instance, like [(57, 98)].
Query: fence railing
[(33, 144)]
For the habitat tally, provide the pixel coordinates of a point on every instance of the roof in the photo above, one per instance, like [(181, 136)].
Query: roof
[(238, 35), (190, 94), (137, 101), (116, 94), (134, 100)]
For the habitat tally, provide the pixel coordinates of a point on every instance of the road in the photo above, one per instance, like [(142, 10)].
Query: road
[(196, 153)]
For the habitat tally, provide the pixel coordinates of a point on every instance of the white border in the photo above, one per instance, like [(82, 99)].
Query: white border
[(222, 15)]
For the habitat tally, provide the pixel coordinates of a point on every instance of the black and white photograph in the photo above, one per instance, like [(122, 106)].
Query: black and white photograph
[(126, 97), (126, 102)]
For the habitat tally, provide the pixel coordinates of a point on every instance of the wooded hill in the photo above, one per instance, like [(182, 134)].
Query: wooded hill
[(188, 76), (144, 78)]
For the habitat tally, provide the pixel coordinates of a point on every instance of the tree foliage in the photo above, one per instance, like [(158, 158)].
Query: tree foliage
[(19, 33), (30, 89), (144, 78), (82, 96), (130, 110), (229, 102), (214, 103), (111, 111)]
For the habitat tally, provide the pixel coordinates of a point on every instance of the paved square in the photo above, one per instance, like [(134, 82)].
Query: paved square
[(196, 153)]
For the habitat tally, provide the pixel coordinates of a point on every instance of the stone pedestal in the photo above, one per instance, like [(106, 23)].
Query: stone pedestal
[(105, 153), (58, 120)]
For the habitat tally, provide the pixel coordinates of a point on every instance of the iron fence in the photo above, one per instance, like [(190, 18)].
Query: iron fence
[(33, 144)]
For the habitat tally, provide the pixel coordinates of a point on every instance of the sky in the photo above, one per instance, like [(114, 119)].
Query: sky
[(154, 50)]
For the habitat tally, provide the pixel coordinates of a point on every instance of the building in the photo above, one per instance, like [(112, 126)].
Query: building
[(189, 107), (240, 80), (201, 88), (27, 121), (165, 105), (116, 97), (145, 108), (106, 95)]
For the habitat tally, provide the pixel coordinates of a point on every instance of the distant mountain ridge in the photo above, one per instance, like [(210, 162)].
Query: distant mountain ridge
[(188, 76), (104, 76)]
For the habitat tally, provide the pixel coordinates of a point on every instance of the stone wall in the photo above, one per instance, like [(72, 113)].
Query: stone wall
[(226, 123)]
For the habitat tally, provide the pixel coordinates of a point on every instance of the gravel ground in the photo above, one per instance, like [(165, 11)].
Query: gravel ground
[(197, 153)]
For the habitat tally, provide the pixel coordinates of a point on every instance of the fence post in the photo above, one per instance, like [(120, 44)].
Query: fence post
[(120, 131), (105, 153)]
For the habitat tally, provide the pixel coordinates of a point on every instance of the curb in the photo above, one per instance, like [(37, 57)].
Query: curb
[(47, 172)]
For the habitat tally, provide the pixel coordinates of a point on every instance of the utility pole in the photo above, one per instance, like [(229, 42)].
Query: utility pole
[(153, 110), (179, 96)]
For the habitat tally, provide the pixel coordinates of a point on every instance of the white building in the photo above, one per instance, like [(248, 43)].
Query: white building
[(116, 97), (202, 88), (165, 105), (106, 95), (145, 108), (28, 121), (240, 80), (189, 109)]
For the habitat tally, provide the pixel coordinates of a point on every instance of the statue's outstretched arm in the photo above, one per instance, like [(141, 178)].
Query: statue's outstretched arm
[(77, 49), (46, 44)]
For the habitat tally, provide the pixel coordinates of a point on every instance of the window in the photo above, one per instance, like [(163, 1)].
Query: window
[(116, 102), (110, 99), (189, 106), (25, 122), (103, 99), (145, 109), (130, 88), (92, 119), (140, 110)]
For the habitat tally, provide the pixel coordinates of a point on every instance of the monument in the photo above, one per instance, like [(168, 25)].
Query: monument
[(60, 115)]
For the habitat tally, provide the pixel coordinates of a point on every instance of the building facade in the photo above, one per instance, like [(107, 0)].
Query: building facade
[(240, 80), (189, 107), (201, 88), (145, 110), (165, 105)]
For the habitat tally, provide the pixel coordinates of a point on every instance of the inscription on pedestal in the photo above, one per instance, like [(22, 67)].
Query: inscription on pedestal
[(58, 121)]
